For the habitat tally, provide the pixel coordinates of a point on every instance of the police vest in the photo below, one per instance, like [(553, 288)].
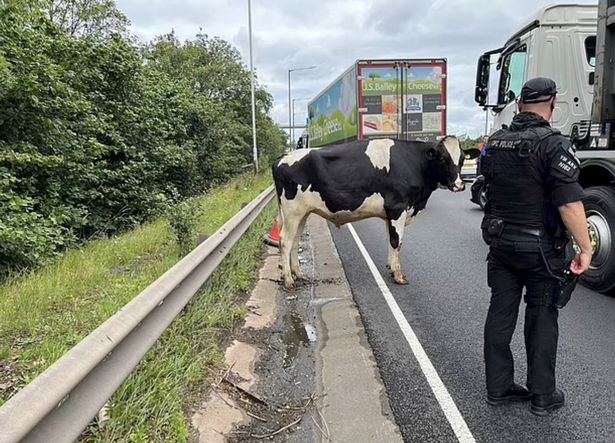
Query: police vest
[(515, 186)]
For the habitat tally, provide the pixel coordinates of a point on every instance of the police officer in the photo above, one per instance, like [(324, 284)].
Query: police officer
[(534, 201)]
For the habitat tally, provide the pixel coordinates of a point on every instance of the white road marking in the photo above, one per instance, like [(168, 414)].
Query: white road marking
[(460, 427)]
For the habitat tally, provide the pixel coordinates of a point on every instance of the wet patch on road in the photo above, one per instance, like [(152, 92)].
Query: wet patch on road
[(272, 395)]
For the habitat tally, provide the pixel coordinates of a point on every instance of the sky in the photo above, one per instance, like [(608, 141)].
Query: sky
[(332, 34)]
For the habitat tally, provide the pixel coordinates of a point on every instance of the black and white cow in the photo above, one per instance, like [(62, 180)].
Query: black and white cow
[(389, 179)]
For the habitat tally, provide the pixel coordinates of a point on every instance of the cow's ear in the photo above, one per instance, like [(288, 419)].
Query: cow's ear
[(432, 153)]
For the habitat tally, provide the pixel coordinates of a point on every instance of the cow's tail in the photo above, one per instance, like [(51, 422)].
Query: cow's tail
[(276, 180), (275, 173)]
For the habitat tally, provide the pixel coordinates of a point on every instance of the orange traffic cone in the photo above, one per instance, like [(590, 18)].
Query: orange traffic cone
[(273, 237)]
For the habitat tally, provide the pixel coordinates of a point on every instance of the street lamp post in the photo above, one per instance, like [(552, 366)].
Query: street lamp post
[(254, 149), (293, 113), (290, 104)]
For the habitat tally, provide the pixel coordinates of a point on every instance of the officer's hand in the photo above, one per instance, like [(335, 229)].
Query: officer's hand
[(581, 262)]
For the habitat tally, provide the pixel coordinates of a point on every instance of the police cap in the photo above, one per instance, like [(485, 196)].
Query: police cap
[(538, 90)]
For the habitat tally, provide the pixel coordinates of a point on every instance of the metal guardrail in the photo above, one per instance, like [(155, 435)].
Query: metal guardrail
[(62, 401)]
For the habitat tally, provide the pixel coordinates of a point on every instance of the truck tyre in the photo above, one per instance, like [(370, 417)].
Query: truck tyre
[(599, 204)]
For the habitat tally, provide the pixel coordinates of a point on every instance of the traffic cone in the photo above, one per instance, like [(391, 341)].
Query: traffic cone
[(273, 237)]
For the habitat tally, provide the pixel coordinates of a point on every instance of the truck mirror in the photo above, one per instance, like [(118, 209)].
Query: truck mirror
[(481, 91)]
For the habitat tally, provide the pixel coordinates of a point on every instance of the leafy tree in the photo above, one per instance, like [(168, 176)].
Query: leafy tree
[(87, 17), (214, 71), (97, 134), (471, 143)]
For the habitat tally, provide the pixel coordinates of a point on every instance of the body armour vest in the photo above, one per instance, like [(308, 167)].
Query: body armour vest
[(515, 184)]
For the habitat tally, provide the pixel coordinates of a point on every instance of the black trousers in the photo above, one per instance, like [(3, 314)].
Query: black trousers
[(509, 272)]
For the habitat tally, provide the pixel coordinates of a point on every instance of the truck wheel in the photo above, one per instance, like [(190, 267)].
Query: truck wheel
[(599, 204)]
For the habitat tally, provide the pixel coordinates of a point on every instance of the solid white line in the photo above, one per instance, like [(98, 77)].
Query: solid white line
[(460, 428)]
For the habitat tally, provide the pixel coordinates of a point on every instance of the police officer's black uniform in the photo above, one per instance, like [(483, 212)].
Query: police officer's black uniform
[(530, 170)]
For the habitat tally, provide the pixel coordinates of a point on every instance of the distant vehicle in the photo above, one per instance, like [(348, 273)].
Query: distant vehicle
[(401, 99), (477, 190), (479, 193), (469, 170), (303, 141)]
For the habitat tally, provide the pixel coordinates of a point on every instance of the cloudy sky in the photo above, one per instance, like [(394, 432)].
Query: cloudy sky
[(331, 34)]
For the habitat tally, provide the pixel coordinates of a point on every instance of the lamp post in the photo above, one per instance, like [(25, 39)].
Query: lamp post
[(293, 113), (254, 149), (289, 102)]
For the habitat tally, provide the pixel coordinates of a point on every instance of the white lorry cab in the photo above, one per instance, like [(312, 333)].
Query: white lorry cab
[(570, 45), (559, 43)]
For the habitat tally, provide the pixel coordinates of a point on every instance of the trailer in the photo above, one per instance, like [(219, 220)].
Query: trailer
[(401, 98)]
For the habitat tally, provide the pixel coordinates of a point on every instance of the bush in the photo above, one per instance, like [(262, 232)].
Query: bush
[(26, 237), (183, 219), (98, 134)]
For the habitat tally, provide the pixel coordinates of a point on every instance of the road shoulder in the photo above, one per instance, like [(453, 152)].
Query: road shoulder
[(354, 401), (299, 367)]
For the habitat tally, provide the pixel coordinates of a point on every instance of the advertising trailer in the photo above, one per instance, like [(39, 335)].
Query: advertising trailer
[(400, 98)]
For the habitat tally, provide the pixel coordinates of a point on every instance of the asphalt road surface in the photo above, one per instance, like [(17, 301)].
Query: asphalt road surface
[(445, 305)]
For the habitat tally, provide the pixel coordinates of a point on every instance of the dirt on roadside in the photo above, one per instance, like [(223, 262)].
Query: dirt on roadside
[(281, 403)]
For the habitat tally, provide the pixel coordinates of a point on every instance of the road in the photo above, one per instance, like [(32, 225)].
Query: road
[(445, 304)]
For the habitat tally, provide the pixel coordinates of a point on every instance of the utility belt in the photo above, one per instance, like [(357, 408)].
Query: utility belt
[(498, 233)]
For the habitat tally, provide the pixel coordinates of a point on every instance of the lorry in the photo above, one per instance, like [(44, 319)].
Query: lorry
[(575, 46), (400, 98)]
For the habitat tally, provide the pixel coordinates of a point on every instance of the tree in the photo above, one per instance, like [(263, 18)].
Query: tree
[(471, 143), (212, 65), (87, 17), (213, 69), (97, 134)]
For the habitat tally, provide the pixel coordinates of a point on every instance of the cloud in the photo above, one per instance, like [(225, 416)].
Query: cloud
[(333, 34)]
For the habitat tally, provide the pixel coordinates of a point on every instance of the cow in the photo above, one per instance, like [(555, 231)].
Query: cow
[(384, 178)]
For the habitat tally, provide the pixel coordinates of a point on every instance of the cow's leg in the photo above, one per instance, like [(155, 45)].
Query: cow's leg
[(294, 253), (280, 226), (396, 234), (410, 218), (280, 218), (288, 235), (391, 250)]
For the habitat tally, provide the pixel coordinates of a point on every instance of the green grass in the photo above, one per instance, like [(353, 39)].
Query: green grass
[(46, 313)]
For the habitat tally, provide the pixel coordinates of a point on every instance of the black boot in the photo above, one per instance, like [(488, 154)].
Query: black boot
[(515, 393), (542, 404)]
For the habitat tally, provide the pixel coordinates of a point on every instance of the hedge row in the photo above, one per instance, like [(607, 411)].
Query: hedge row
[(99, 133)]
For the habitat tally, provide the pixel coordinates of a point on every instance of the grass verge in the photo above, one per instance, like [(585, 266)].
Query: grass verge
[(44, 314)]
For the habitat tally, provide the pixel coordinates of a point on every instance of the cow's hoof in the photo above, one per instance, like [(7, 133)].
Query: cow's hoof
[(299, 275), (400, 279), (289, 284)]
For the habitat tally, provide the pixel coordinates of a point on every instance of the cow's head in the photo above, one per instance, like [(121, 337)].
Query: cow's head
[(448, 157)]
